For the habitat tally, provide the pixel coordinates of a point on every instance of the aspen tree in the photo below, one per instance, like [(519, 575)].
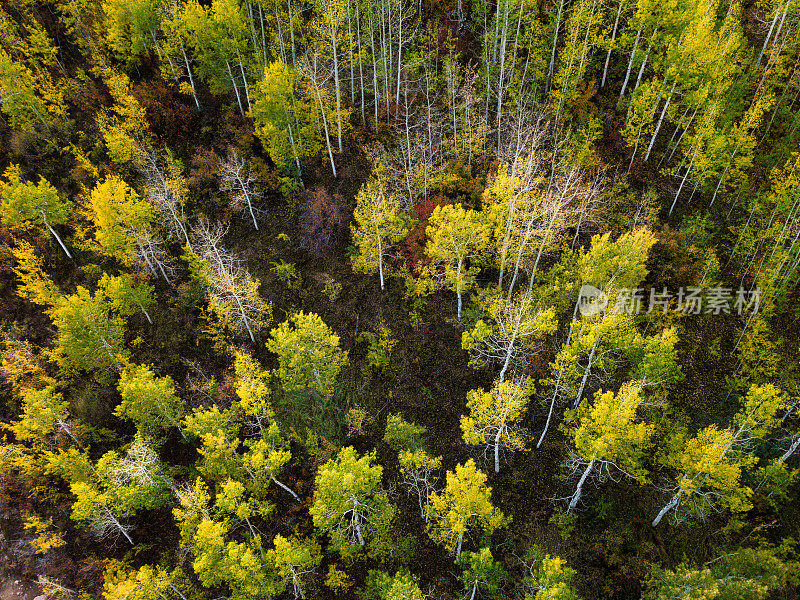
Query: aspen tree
[(403, 586), (28, 98), (25, 205), (331, 14), (348, 502), (34, 284), (744, 573), (379, 224), (218, 36), (508, 335), (711, 463), (607, 438), (283, 118), (494, 418), (481, 574), (149, 401), (464, 504), (420, 473), (123, 125), (90, 335), (44, 412), (240, 183), (240, 565), (457, 236), (547, 577), (123, 227), (131, 27), (149, 582), (166, 189), (309, 356), (309, 67), (232, 292), (296, 560)]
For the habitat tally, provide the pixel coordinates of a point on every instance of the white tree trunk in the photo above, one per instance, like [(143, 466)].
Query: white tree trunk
[(235, 87), (668, 507), (792, 449), (550, 412), (579, 490), (285, 487), (585, 375), (658, 126), (58, 239), (613, 37), (630, 64), (336, 85)]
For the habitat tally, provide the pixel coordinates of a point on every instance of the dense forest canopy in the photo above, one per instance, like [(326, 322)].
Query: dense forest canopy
[(398, 300)]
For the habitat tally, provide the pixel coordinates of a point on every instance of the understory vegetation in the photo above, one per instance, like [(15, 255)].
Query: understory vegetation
[(393, 300)]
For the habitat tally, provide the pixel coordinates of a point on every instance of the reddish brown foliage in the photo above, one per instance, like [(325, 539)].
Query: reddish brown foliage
[(168, 114), (322, 219), (413, 247)]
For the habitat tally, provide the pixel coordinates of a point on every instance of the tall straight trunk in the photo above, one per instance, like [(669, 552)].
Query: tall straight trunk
[(630, 63), (244, 79), (360, 61), (295, 154), (325, 126), (143, 252), (613, 38), (235, 87), (263, 32), (680, 137), (387, 59), (550, 412), (281, 44), (336, 85), (146, 314), (252, 215), (649, 119), (668, 507), (374, 53), (555, 42), (792, 449), (286, 488), (501, 74), (509, 352), (380, 261), (58, 239), (358, 533), (586, 372), (585, 47), (458, 289), (245, 318), (644, 62), (118, 524), (253, 34), (769, 35), (579, 490), (672, 137), (291, 32), (352, 58), (191, 77), (161, 268), (497, 449), (680, 189), (504, 249), (399, 56), (658, 126)]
